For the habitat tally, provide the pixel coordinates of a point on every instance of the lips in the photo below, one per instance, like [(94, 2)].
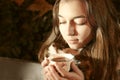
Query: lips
[(73, 41)]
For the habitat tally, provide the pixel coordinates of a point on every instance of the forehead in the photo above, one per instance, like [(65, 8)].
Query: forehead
[(70, 7), (80, 3)]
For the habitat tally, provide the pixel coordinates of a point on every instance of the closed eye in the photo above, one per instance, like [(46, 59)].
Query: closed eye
[(61, 19), (62, 22), (80, 21)]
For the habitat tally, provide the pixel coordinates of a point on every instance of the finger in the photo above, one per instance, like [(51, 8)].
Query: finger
[(65, 79), (76, 69), (45, 70), (60, 69), (52, 74), (48, 74), (68, 75), (45, 62), (45, 77), (56, 74)]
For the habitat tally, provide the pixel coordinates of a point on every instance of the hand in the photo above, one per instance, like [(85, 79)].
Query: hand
[(56, 71), (76, 74), (50, 72)]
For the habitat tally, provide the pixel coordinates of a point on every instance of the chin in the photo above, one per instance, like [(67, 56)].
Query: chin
[(74, 47)]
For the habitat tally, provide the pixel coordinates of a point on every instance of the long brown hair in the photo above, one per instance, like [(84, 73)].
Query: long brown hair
[(105, 46)]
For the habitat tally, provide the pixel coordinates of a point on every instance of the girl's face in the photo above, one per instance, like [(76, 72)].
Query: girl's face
[(73, 24)]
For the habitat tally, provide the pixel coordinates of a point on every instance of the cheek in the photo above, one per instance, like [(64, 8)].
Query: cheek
[(84, 32), (62, 30)]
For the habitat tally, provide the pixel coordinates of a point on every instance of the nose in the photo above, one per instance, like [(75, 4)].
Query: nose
[(71, 29)]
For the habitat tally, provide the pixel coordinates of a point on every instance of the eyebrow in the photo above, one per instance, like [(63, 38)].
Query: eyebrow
[(81, 16)]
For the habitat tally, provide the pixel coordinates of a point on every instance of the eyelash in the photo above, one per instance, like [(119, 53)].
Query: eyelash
[(62, 22), (82, 23), (75, 23)]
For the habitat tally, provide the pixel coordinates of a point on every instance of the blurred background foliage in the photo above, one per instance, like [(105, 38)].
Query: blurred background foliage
[(24, 25)]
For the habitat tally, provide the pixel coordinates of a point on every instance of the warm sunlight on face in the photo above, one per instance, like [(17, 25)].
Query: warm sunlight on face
[(73, 23)]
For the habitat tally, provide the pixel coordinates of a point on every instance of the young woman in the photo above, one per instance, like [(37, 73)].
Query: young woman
[(91, 30)]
